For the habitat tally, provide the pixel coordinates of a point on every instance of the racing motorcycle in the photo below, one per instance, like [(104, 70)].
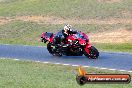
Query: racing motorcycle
[(75, 45)]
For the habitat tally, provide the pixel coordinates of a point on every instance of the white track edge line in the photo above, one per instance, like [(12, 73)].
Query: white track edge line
[(65, 64), (79, 65), (45, 62), (74, 65), (15, 59)]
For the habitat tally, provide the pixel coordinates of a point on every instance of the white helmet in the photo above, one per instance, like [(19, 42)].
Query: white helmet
[(67, 28)]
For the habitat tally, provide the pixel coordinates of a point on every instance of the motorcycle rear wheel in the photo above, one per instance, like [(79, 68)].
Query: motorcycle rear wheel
[(50, 48), (53, 51)]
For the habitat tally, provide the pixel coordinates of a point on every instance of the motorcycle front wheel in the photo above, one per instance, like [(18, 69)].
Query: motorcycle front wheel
[(93, 53)]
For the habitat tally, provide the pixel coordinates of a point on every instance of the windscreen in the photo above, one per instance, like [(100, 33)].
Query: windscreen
[(79, 35)]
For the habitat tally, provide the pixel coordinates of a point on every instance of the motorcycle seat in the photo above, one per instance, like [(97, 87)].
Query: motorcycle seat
[(48, 34)]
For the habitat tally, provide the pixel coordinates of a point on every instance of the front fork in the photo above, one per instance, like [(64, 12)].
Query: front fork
[(86, 48)]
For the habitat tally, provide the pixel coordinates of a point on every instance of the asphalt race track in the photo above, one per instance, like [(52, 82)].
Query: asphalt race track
[(120, 61)]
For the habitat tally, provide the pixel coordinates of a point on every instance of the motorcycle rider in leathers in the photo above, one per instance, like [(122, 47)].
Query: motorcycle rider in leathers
[(66, 31)]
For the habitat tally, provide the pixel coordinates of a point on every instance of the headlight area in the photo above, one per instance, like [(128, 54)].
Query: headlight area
[(83, 44), (69, 40)]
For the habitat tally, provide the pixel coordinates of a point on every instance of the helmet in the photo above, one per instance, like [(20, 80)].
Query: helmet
[(67, 28)]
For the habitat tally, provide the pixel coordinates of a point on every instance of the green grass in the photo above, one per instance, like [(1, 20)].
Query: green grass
[(27, 74), (65, 8), (124, 47)]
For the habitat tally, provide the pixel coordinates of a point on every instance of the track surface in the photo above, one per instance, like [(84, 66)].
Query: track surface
[(120, 61)]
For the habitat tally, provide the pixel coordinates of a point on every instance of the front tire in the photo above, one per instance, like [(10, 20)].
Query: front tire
[(93, 53)]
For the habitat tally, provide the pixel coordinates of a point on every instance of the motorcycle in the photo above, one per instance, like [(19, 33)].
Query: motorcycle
[(75, 45)]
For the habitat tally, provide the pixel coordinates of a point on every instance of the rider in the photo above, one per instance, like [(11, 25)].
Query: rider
[(66, 31)]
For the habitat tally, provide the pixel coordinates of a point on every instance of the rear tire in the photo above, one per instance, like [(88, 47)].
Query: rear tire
[(53, 51), (58, 54), (50, 48), (93, 53)]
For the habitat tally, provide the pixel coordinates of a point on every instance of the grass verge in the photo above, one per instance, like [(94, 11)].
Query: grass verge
[(66, 8), (27, 74), (124, 47)]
